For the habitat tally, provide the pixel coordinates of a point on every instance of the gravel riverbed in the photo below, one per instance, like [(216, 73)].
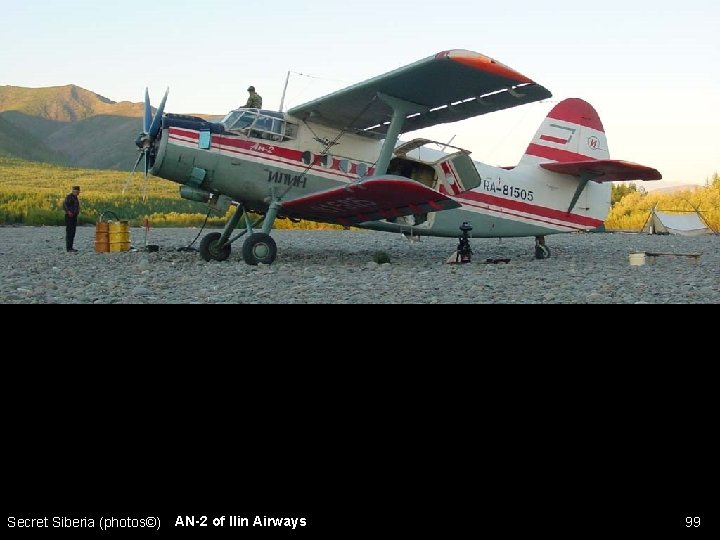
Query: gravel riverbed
[(336, 267)]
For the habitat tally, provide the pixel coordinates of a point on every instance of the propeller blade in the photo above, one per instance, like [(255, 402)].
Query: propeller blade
[(148, 118), (157, 121), (147, 172), (133, 172), (142, 154)]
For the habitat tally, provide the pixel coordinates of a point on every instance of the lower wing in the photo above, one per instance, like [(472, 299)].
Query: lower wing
[(372, 199)]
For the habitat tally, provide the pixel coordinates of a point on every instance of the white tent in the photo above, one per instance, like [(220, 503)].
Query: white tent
[(685, 224)]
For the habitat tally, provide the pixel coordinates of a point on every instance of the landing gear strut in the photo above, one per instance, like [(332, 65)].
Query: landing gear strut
[(464, 252), (258, 248), (541, 250)]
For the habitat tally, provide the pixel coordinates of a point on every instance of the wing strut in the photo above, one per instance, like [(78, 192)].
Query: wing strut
[(401, 110)]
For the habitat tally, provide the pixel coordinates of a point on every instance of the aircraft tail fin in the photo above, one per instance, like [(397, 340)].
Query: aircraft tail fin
[(571, 132)]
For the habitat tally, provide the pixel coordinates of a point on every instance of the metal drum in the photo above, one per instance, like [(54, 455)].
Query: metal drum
[(102, 237), (119, 236)]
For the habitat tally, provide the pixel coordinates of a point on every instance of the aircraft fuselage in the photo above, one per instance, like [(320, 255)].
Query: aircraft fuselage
[(250, 167)]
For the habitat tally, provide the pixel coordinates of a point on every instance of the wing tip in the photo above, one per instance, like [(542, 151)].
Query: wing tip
[(482, 62)]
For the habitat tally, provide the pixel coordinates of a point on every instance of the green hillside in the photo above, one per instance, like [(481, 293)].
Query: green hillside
[(100, 142), (21, 144), (38, 125)]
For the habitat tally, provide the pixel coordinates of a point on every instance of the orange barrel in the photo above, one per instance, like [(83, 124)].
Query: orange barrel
[(102, 237), (119, 236)]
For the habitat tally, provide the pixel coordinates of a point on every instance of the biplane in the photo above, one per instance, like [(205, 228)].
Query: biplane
[(339, 159)]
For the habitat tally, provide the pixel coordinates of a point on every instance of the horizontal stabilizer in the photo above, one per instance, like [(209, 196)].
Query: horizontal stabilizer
[(371, 199), (604, 170)]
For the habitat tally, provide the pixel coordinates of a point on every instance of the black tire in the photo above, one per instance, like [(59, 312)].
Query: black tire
[(542, 252), (259, 248), (210, 251)]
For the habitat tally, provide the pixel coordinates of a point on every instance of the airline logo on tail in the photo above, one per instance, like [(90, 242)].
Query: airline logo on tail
[(560, 134)]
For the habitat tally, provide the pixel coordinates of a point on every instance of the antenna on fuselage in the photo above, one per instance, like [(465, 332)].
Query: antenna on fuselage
[(282, 101), (287, 81), (448, 143)]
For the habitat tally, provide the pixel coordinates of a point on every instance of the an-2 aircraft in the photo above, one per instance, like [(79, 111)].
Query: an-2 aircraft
[(337, 160)]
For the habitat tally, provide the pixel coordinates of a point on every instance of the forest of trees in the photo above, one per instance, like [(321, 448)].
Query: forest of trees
[(32, 194), (632, 206)]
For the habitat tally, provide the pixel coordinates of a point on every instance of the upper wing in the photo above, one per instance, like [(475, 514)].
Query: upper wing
[(368, 200), (605, 170), (450, 86)]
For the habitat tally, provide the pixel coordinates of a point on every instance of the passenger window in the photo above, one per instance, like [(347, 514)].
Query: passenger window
[(291, 131)]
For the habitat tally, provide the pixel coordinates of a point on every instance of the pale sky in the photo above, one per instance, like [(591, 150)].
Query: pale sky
[(650, 68)]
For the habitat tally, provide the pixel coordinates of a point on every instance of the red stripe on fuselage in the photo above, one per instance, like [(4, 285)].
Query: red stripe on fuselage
[(533, 209), (555, 154), (484, 207), (243, 144), (268, 150)]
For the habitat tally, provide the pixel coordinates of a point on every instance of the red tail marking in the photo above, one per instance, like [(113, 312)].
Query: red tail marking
[(548, 138), (577, 111), (555, 154)]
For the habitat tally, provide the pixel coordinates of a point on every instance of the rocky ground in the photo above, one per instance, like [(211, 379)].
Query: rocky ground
[(337, 267)]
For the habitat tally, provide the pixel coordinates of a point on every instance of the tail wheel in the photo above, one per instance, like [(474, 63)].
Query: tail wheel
[(259, 248), (210, 249), (542, 252)]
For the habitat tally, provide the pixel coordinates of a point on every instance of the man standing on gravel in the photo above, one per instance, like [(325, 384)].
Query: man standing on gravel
[(72, 211)]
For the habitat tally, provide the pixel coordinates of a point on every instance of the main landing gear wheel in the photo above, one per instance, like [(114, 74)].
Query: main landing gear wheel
[(210, 250), (541, 250), (259, 248)]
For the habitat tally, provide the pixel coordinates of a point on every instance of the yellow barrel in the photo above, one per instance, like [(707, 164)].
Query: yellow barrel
[(102, 237), (119, 236)]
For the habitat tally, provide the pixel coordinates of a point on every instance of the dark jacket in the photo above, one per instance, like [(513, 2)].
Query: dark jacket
[(72, 205)]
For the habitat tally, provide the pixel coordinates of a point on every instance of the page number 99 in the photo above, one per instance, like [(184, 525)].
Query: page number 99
[(692, 522)]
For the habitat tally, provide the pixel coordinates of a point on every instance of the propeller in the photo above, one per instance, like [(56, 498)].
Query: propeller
[(146, 140)]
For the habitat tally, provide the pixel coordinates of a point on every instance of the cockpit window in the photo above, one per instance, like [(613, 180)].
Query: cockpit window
[(239, 120), (259, 124), (230, 119)]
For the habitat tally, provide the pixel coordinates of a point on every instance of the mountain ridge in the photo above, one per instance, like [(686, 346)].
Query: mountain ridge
[(69, 103), (675, 188), (70, 125)]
